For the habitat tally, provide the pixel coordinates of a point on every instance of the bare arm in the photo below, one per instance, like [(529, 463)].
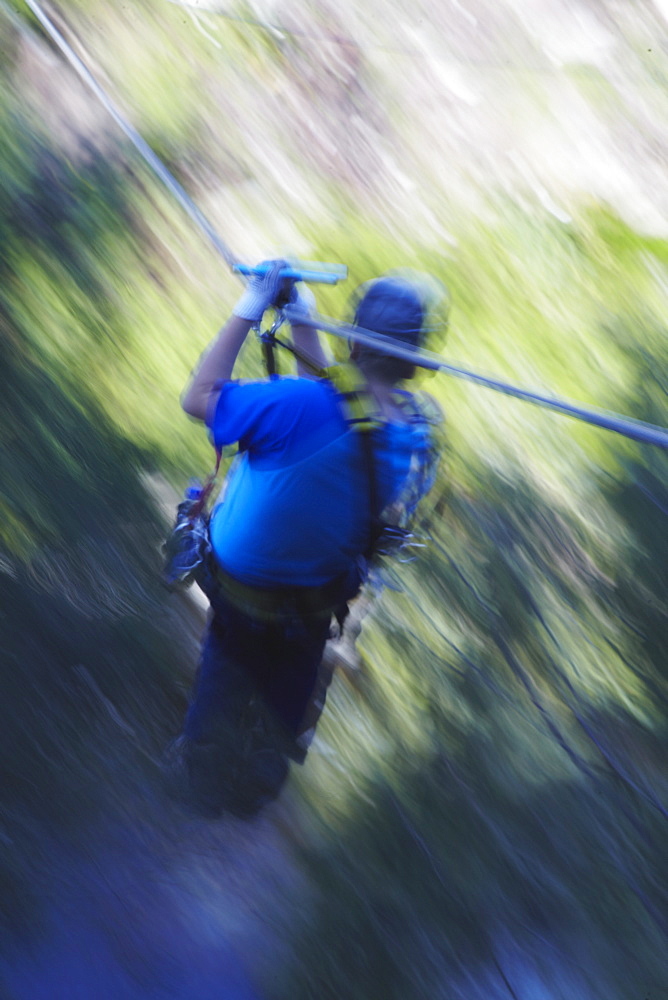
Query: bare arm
[(215, 365), (306, 340), (262, 291)]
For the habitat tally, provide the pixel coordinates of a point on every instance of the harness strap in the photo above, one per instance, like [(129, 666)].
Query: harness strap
[(354, 397), (277, 604), (301, 356)]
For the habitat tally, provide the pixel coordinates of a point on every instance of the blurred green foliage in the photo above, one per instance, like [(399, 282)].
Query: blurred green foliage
[(491, 779)]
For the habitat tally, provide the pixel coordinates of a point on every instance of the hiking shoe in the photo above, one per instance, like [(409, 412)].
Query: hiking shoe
[(196, 776), (206, 776), (264, 774)]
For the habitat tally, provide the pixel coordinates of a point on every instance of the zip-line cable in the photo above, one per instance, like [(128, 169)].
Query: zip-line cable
[(629, 427), (133, 135), (637, 430)]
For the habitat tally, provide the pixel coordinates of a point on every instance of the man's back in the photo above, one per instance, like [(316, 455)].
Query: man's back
[(297, 508)]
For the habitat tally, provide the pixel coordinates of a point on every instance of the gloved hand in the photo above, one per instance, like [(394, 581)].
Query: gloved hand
[(264, 290)]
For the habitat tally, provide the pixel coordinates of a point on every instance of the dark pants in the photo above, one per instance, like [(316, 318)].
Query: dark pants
[(243, 658)]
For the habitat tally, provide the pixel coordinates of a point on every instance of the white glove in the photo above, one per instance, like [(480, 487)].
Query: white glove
[(263, 290)]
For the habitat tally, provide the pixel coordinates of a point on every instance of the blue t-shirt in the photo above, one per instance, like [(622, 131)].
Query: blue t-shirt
[(296, 507)]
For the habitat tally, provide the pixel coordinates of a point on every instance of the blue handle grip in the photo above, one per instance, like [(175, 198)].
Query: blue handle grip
[(324, 277)]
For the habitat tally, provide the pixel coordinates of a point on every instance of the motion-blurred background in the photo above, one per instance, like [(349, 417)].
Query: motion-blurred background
[(483, 813)]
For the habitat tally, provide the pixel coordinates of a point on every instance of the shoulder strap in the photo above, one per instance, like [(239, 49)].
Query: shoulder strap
[(348, 382), (368, 454), (355, 401)]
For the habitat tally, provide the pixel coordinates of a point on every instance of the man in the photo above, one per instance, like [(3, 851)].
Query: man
[(295, 531)]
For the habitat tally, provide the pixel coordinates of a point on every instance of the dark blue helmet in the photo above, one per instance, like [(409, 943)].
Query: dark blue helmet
[(392, 306), (404, 305)]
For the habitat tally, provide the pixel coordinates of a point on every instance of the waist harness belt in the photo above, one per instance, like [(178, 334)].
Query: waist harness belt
[(279, 603)]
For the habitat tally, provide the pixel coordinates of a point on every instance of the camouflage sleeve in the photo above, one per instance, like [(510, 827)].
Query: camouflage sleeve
[(430, 420), (428, 424)]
